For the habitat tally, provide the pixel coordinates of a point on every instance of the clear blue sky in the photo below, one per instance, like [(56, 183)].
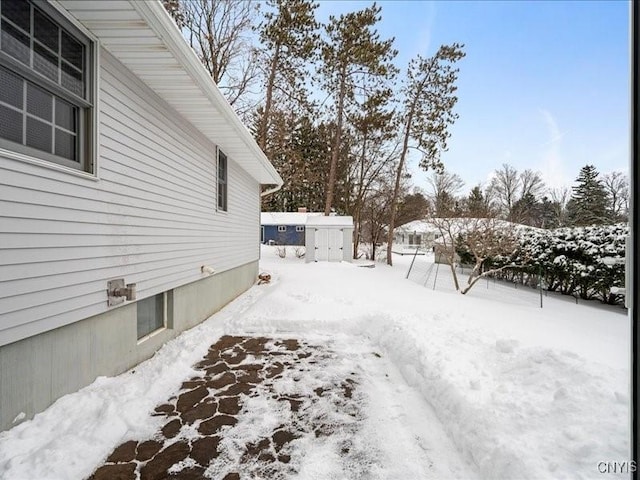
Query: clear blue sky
[(544, 84)]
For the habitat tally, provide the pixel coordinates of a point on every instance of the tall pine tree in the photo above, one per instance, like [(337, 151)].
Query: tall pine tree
[(290, 40), (351, 51), (477, 205), (588, 204)]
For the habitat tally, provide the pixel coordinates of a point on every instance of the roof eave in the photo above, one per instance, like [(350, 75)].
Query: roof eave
[(163, 25)]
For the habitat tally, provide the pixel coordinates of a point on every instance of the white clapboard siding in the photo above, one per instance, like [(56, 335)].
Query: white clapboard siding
[(150, 217), (107, 202)]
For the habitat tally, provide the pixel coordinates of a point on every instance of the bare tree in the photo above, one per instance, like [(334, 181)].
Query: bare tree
[(483, 239), (375, 215), (486, 238), (373, 127), (559, 199), (617, 186), (505, 187), (531, 183), (219, 32), (444, 188), (445, 247)]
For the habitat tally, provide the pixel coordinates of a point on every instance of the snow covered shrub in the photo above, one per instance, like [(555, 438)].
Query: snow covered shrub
[(568, 259), (281, 251), (299, 252)]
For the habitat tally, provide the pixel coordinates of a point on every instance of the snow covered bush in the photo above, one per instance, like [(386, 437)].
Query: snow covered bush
[(569, 260)]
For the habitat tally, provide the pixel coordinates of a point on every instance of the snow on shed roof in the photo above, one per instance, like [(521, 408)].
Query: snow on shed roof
[(286, 218), (315, 219), (142, 36), (331, 220), (457, 224)]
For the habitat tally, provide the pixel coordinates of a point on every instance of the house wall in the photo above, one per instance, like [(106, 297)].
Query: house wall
[(36, 371), (148, 216), (290, 237)]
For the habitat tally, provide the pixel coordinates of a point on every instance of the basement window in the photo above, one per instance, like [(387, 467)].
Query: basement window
[(153, 313)]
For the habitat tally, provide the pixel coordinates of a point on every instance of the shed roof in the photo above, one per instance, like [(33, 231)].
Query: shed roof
[(143, 36), (286, 218), (330, 221), (457, 224)]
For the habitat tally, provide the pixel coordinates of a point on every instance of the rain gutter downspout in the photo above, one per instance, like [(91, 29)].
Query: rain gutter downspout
[(271, 190)]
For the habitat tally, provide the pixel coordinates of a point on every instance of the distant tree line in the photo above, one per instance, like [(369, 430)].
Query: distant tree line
[(522, 197)]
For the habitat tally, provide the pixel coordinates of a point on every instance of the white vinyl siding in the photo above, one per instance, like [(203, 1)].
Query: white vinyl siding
[(148, 218)]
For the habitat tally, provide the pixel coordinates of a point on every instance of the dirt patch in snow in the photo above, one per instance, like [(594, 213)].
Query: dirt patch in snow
[(255, 406)]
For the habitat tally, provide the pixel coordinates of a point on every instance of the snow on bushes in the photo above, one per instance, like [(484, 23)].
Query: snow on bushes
[(568, 259)]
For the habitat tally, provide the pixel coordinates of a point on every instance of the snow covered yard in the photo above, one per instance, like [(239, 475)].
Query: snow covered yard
[(451, 386)]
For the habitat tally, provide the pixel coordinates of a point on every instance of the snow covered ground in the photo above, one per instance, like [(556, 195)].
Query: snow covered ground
[(465, 387)]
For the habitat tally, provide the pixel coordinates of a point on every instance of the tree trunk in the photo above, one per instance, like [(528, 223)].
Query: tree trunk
[(356, 233), (359, 198), (455, 275), (396, 187), (482, 275), (335, 154), (264, 121)]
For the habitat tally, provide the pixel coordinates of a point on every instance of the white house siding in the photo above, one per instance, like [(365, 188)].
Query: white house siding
[(150, 217)]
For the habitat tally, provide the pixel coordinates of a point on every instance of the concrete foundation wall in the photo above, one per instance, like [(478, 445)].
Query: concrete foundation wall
[(36, 371)]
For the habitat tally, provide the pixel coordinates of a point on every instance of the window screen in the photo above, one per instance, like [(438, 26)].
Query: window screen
[(45, 96)]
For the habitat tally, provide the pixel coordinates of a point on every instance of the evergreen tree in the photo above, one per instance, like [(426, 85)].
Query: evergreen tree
[(173, 7), (298, 150), (477, 206), (289, 36), (351, 51), (527, 210), (548, 216), (414, 206), (588, 204)]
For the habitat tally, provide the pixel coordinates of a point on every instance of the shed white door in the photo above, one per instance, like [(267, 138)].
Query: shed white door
[(329, 245)]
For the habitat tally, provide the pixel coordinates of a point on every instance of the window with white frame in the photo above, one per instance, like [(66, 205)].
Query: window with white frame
[(46, 92), (282, 228), (299, 228), (222, 181), (154, 313)]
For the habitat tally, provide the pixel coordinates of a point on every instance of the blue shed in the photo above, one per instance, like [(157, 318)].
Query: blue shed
[(284, 228)]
